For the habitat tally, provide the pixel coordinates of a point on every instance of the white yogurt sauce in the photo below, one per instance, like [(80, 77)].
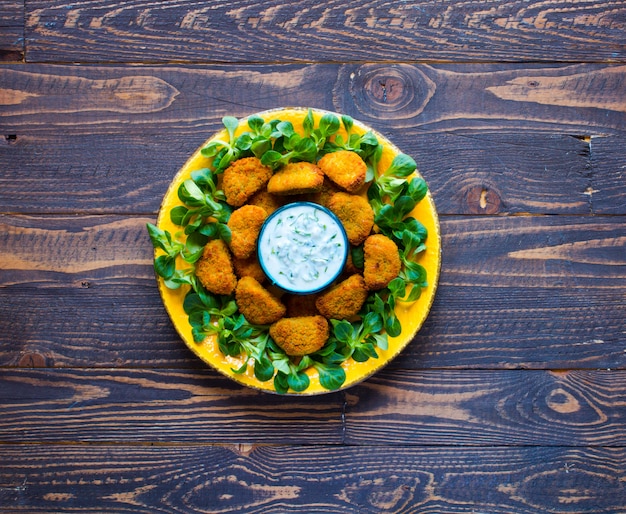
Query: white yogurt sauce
[(302, 247)]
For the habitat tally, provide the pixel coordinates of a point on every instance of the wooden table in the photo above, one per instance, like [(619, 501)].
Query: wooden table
[(512, 398)]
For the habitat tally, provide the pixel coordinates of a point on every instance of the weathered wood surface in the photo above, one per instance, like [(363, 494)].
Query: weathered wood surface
[(395, 407), (273, 479), (512, 396), (111, 139), (270, 32), (529, 292), (577, 99), (11, 30)]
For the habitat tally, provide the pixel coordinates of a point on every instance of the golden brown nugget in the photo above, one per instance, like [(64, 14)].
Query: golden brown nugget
[(301, 335), (356, 215), (382, 261), (245, 224), (296, 178), (300, 305), (214, 268), (249, 267), (257, 304), (267, 201), (344, 300), (243, 178), (344, 168)]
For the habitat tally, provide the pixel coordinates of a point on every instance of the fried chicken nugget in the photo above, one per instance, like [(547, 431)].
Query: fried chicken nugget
[(356, 215), (257, 304), (249, 267), (243, 178), (382, 261), (344, 300), (301, 335), (245, 224), (296, 178), (214, 268), (267, 201), (344, 168)]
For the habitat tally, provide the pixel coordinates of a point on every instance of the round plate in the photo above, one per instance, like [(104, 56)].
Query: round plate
[(411, 315)]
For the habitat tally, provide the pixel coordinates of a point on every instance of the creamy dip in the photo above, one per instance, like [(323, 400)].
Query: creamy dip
[(302, 247)]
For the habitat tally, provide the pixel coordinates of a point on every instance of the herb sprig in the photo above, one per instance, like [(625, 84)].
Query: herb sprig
[(204, 214)]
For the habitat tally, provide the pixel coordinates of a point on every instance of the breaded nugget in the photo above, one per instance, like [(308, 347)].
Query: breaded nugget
[(300, 304), (355, 214), (267, 201), (344, 168), (301, 335), (214, 268), (257, 304), (249, 267), (245, 224), (296, 178), (344, 300), (243, 178), (382, 261)]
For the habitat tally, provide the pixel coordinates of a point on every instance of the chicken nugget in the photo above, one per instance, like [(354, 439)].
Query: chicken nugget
[(356, 215), (249, 267), (296, 178), (344, 168), (257, 304), (214, 268), (301, 335), (245, 224), (382, 261), (267, 201), (243, 178), (344, 300)]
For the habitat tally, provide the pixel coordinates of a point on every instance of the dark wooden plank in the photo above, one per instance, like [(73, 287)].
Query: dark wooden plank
[(482, 408), (476, 173), (319, 479), (500, 158), (105, 406), (11, 30), (583, 100), (133, 31), (609, 175), (539, 292), (471, 408)]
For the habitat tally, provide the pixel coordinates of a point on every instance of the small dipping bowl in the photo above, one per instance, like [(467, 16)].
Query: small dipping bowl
[(302, 247)]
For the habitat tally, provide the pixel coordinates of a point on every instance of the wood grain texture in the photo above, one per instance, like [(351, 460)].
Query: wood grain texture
[(511, 398), (522, 292), (110, 139), (609, 160), (268, 32), (470, 408), (273, 479), (482, 173), (11, 30), (559, 99)]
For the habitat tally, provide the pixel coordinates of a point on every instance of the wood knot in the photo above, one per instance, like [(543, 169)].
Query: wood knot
[(385, 91), (482, 200), (32, 360), (562, 402)]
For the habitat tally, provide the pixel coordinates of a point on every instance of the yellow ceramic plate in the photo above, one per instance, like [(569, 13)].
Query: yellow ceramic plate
[(411, 315)]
